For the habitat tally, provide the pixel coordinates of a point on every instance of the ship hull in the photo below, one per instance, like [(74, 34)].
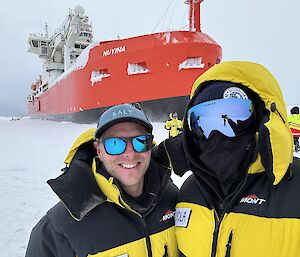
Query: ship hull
[(155, 110), (157, 70)]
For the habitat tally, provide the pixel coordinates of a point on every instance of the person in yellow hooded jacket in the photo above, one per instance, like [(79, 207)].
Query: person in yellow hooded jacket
[(174, 125), (294, 123), (241, 200), (114, 200)]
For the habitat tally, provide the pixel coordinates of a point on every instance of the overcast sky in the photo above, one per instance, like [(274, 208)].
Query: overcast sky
[(264, 31)]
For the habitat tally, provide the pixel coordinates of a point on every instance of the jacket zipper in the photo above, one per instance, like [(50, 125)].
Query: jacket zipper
[(147, 236), (216, 230), (148, 242), (143, 217), (146, 232), (228, 246), (223, 209)]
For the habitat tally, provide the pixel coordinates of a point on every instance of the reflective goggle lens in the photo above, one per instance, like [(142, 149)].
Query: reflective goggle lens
[(117, 145), (223, 115)]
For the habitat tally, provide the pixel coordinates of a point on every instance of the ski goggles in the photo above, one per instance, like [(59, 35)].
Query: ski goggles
[(117, 145), (224, 115)]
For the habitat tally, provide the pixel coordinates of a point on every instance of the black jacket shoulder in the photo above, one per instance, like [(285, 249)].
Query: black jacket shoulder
[(46, 239)]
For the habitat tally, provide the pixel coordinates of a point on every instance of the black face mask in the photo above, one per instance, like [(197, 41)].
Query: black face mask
[(226, 158)]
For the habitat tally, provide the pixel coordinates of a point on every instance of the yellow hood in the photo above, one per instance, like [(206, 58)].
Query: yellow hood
[(83, 138), (275, 151)]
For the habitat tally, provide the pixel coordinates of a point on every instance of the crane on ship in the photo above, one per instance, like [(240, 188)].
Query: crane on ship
[(61, 50)]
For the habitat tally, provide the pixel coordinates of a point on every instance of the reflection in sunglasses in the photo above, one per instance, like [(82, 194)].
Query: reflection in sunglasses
[(118, 145)]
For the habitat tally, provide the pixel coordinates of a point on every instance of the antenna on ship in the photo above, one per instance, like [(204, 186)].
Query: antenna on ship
[(194, 14), (46, 30)]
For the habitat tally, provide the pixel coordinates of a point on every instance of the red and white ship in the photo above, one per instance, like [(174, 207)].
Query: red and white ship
[(81, 78)]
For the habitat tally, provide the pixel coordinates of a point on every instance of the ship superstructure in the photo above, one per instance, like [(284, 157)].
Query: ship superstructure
[(81, 78), (60, 51)]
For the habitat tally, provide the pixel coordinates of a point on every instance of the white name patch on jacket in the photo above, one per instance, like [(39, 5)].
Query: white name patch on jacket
[(182, 216), (123, 255)]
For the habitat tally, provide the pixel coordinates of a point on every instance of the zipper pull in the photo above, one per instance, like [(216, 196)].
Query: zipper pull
[(166, 251), (222, 206), (228, 246)]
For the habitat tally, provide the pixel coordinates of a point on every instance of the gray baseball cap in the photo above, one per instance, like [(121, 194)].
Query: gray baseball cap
[(122, 113)]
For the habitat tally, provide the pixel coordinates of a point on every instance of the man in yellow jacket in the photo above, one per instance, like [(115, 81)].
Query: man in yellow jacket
[(241, 199), (174, 125), (294, 123), (114, 200)]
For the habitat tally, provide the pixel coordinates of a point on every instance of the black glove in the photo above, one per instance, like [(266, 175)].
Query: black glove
[(170, 154)]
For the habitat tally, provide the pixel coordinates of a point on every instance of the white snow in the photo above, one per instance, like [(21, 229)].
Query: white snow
[(136, 68), (97, 76), (192, 63), (33, 151), (83, 58)]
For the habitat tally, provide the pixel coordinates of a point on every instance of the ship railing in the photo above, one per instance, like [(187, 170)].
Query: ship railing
[(39, 35)]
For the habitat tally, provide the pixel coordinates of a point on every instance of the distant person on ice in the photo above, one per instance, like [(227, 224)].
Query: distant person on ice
[(242, 198), (294, 123), (173, 124), (119, 203)]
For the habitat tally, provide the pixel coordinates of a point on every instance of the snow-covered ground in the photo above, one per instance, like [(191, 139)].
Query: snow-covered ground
[(32, 151)]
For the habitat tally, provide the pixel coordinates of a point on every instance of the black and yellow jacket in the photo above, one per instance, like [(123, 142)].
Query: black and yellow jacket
[(96, 218), (294, 122), (262, 217), (174, 126)]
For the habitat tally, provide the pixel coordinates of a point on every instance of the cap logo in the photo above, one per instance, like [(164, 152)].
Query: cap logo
[(122, 112), (234, 92)]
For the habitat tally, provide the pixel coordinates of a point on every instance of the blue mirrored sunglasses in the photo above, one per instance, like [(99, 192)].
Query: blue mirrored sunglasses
[(223, 115), (117, 145)]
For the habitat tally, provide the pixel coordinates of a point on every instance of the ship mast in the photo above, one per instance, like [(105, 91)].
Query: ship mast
[(194, 15)]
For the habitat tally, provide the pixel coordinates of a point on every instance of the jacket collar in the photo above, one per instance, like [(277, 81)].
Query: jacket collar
[(156, 180), (78, 190), (82, 188)]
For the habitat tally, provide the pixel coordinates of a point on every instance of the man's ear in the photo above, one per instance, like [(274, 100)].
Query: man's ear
[(97, 147)]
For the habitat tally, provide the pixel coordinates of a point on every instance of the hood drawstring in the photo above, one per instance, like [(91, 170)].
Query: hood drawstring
[(273, 108)]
